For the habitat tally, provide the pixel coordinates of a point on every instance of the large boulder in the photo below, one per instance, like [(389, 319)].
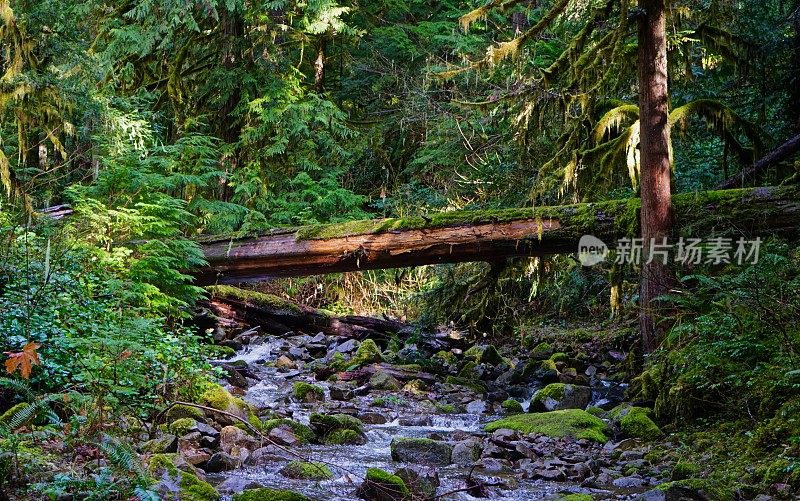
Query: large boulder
[(171, 467), (421, 451), (635, 422), (421, 480), (236, 442), (380, 485), (367, 353), (559, 396), (574, 423)]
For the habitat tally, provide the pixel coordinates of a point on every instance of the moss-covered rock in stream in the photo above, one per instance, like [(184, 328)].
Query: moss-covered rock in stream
[(367, 353), (338, 429), (307, 392), (634, 422), (469, 370), (512, 406), (558, 396), (267, 494), (180, 411), (574, 423), (301, 431), (421, 451), (182, 426), (380, 485), (344, 437), (473, 385), (541, 351), (384, 381), (217, 397), (191, 487), (575, 497), (306, 471)]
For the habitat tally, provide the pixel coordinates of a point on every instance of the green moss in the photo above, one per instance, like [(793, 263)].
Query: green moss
[(709, 487), (191, 487), (181, 426), (7, 415), (367, 353), (473, 385), (306, 392), (445, 408), (378, 402), (217, 397), (541, 351), (445, 356), (468, 371), (554, 391), (380, 482), (182, 411), (267, 494), (301, 431), (491, 356), (326, 423), (254, 298), (474, 353), (576, 497), (512, 406), (635, 422), (596, 411), (684, 469), (338, 362), (307, 471), (343, 437), (569, 422), (559, 357)]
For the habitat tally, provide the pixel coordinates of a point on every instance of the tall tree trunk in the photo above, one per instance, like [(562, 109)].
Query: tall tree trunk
[(319, 66), (656, 214), (233, 29)]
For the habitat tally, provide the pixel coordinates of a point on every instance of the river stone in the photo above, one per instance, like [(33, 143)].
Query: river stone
[(466, 452), (283, 435), (166, 443), (347, 346), (557, 396), (195, 457), (285, 362), (341, 392), (628, 482), (552, 475), (234, 440), (268, 454), (372, 418), (221, 461), (382, 381), (421, 451), (421, 480), (476, 407)]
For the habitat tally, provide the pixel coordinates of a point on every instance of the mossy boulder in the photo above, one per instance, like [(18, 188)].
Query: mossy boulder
[(421, 451), (475, 386), (182, 426), (306, 392), (191, 487), (446, 357), (469, 370), (575, 497), (380, 485), (541, 351), (367, 353), (696, 488), (558, 396), (635, 422), (181, 411), (267, 494), (344, 437), (512, 406), (474, 353), (491, 356), (684, 469), (383, 381), (542, 370), (574, 423), (306, 471), (301, 431), (217, 397), (559, 357)]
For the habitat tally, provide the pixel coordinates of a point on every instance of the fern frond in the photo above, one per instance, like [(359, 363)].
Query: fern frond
[(19, 387), (121, 455)]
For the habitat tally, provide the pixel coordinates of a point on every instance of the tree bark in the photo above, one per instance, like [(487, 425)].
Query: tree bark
[(486, 236), (656, 213)]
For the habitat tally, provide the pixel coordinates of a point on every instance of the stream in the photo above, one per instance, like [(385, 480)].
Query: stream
[(271, 388)]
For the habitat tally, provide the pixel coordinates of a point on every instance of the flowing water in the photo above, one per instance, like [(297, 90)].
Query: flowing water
[(350, 462)]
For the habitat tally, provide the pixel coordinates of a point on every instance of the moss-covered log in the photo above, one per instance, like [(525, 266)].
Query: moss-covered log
[(487, 235)]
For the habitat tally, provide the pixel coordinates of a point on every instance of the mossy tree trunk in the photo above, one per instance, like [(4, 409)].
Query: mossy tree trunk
[(656, 213)]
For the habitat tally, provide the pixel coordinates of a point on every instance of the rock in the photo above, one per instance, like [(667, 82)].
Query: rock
[(552, 475), (268, 494), (347, 346), (195, 457), (373, 418), (165, 443), (512, 406), (232, 485), (234, 441), (634, 422), (219, 398), (298, 353), (306, 392), (541, 351), (628, 482), (285, 362), (268, 454), (466, 452), (564, 423), (233, 376), (383, 381), (341, 392), (476, 407), (422, 481), (559, 396), (421, 451), (221, 461), (283, 435), (306, 471), (301, 431), (381, 486)]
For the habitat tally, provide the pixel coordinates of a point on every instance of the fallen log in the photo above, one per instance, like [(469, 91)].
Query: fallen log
[(490, 236), (774, 157), (277, 316)]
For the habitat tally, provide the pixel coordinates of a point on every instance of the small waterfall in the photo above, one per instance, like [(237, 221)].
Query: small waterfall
[(256, 352)]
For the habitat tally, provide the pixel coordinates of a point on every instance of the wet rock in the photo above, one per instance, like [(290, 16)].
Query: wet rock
[(476, 407), (285, 362), (383, 381), (558, 396), (306, 471), (268, 454), (372, 418), (234, 441), (347, 346), (221, 461), (421, 451), (195, 457), (381, 486), (551, 475), (233, 376), (165, 443), (466, 452), (628, 482), (422, 481), (298, 353), (233, 485), (283, 435), (341, 392), (495, 465)]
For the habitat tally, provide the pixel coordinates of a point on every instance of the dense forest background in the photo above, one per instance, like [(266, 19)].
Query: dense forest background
[(160, 120)]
